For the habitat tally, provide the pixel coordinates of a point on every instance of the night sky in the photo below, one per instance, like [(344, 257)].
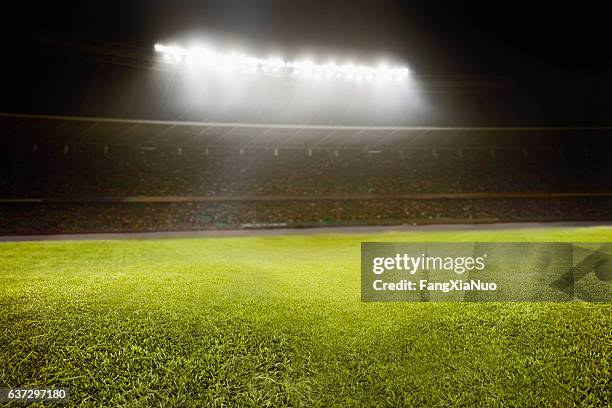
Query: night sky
[(555, 53)]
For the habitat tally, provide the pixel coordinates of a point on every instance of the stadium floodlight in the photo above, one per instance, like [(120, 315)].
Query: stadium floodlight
[(233, 62)]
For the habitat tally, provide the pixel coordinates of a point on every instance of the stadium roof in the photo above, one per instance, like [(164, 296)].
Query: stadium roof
[(28, 128)]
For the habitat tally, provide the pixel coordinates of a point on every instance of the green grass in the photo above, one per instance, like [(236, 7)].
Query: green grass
[(273, 321)]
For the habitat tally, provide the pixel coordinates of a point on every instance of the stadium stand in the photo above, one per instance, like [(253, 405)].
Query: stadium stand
[(39, 218), (95, 171), (59, 182)]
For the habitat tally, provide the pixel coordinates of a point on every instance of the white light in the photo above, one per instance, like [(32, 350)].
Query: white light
[(305, 68), (273, 64), (329, 70), (197, 56), (250, 64)]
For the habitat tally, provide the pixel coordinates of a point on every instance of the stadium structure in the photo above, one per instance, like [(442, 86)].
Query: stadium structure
[(87, 174), (268, 143)]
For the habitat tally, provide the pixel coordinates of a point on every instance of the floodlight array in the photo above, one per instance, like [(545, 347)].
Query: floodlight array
[(234, 62)]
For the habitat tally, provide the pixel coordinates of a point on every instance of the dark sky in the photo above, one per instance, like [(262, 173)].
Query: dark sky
[(560, 50), (435, 37)]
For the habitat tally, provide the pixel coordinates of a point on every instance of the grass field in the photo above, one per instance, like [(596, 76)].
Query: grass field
[(274, 321)]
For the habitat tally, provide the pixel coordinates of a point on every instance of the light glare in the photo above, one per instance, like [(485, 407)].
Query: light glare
[(233, 62)]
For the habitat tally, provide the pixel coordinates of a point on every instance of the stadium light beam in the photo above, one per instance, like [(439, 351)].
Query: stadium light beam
[(232, 62)]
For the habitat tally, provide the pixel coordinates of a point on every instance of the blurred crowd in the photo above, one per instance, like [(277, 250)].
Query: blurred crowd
[(35, 218), (119, 171), (329, 181)]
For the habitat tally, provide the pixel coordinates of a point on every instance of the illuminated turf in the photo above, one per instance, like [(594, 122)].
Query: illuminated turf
[(277, 321)]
